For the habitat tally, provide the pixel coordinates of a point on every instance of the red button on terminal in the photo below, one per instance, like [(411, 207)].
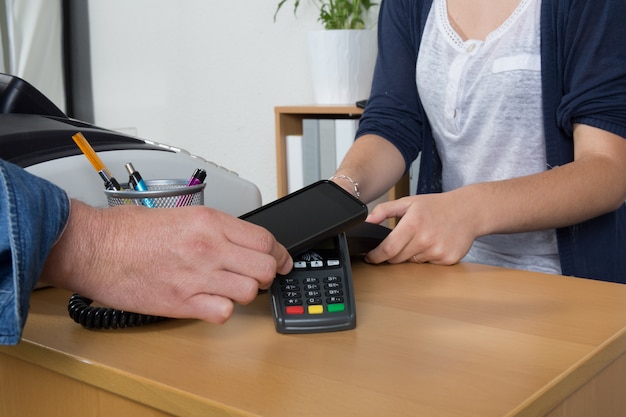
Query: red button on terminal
[(294, 310)]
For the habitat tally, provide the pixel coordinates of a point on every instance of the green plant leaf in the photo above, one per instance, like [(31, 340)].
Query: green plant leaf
[(337, 14), (280, 4)]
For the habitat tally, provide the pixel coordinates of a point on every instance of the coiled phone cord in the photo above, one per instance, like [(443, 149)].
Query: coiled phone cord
[(89, 317)]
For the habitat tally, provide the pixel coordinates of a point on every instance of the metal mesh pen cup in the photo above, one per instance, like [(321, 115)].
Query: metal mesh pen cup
[(160, 194)]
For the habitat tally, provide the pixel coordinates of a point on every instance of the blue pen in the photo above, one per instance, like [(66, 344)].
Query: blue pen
[(135, 180)]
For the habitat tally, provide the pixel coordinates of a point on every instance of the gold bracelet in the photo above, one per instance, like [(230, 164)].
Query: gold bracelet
[(355, 184)]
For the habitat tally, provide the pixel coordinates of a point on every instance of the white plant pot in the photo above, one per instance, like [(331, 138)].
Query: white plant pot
[(342, 64)]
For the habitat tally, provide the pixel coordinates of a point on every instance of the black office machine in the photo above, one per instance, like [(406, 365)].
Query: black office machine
[(36, 135)]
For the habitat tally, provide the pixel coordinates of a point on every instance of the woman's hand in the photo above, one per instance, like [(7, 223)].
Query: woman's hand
[(433, 228)]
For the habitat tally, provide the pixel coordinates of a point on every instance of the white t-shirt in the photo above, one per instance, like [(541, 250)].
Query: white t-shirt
[(483, 101)]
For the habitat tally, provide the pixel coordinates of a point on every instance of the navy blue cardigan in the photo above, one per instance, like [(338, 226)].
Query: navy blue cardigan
[(583, 60)]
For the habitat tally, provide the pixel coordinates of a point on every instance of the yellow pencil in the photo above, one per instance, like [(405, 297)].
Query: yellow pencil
[(109, 181)]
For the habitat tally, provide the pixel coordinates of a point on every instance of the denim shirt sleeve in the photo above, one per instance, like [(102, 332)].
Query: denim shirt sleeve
[(33, 214)]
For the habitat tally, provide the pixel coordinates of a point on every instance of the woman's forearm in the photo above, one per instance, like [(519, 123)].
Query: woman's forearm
[(374, 163)]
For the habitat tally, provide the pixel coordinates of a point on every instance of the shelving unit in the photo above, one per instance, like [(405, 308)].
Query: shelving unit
[(289, 122)]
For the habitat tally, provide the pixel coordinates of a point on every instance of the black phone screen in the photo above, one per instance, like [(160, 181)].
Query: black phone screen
[(306, 216)]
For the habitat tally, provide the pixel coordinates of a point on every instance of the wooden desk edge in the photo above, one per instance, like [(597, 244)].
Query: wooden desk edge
[(542, 402), (126, 385)]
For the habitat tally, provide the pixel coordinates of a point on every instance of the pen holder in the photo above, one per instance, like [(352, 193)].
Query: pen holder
[(160, 194)]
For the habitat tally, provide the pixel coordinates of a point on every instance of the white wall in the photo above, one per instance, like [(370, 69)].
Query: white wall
[(202, 75)]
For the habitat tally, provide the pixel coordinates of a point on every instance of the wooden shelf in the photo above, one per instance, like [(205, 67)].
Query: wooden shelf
[(288, 121)]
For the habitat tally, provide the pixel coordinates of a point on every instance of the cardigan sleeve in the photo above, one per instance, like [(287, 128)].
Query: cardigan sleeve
[(393, 110), (593, 66), (584, 81)]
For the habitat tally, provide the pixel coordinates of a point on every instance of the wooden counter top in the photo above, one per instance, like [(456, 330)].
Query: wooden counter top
[(466, 340)]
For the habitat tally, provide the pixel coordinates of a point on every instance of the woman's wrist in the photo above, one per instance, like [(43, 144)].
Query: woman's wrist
[(354, 185)]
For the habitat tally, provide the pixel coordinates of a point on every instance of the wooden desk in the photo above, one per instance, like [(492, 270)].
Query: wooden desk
[(288, 121), (466, 340)]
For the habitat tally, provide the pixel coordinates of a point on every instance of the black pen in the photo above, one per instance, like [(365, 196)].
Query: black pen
[(110, 183)]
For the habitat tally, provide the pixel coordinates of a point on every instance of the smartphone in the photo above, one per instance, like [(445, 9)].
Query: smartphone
[(309, 215)]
